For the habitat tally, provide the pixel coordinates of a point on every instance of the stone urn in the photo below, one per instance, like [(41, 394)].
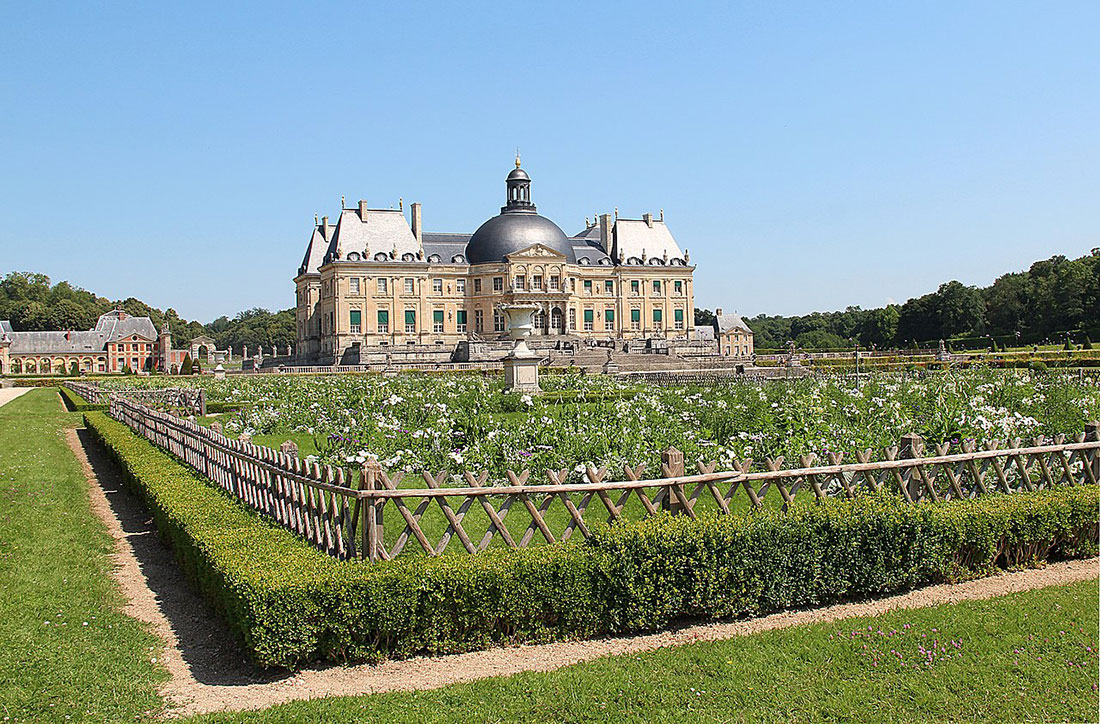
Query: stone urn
[(521, 366), (521, 323)]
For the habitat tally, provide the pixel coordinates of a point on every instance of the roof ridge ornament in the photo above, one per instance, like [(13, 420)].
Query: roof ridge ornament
[(517, 156)]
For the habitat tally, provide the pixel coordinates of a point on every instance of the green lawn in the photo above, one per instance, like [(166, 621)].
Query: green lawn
[(1025, 657), (66, 650)]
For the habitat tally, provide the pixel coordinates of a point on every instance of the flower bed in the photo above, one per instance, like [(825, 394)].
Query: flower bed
[(466, 422)]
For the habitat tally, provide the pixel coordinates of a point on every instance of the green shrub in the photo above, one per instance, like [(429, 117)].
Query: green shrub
[(1037, 366), (76, 403), (290, 603), (218, 407), (187, 366)]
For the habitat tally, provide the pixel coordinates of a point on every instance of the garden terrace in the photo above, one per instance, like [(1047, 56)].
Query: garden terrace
[(376, 516), (456, 423)]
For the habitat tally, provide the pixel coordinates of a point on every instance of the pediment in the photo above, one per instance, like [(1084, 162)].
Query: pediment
[(535, 251)]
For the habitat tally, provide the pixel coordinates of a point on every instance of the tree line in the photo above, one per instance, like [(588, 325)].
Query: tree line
[(31, 303), (1054, 299)]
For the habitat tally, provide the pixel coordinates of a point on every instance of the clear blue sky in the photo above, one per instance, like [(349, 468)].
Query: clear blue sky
[(810, 155)]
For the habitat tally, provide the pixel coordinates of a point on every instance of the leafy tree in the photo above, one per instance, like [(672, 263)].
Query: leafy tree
[(880, 326), (704, 317), (960, 309), (69, 314), (820, 339)]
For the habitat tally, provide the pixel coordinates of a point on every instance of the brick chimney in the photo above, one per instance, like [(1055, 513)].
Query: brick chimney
[(417, 224), (324, 226), (648, 219), (362, 210)]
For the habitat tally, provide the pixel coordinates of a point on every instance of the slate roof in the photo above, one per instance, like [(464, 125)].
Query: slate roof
[(109, 328), (732, 322), (315, 249), (381, 232), (387, 229), (632, 237), (445, 246), (704, 332)]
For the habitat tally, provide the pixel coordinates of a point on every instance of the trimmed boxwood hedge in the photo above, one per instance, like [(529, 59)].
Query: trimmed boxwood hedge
[(76, 403), (291, 604), (219, 407)]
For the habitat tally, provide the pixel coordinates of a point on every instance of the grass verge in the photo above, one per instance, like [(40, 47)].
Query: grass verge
[(1025, 657), (66, 648)]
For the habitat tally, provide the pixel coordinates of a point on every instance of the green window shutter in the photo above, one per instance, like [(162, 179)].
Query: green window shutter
[(588, 315), (356, 317), (635, 315), (383, 316), (437, 316), (410, 316), (609, 315), (587, 285), (634, 285), (679, 315), (462, 316), (609, 285), (679, 286), (656, 315)]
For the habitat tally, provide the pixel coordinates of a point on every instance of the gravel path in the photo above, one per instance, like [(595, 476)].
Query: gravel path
[(209, 673), (7, 394)]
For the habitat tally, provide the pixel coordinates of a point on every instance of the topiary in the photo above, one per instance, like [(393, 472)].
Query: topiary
[(188, 366), (1088, 343)]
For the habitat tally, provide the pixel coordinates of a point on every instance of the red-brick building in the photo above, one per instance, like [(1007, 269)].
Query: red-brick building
[(118, 341)]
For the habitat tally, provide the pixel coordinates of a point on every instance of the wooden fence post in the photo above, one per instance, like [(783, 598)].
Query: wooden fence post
[(912, 445), (1092, 434), (672, 466), (373, 540)]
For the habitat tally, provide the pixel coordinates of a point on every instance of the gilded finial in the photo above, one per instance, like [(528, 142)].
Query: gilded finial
[(342, 204), (401, 203), (517, 156), (316, 220), (662, 214), (616, 212)]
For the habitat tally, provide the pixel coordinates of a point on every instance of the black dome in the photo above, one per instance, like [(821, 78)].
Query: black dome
[(517, 227), (512, 231)]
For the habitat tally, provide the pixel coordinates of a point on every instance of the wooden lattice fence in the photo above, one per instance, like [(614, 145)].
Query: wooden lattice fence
[(181, 400), (374, 514)]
